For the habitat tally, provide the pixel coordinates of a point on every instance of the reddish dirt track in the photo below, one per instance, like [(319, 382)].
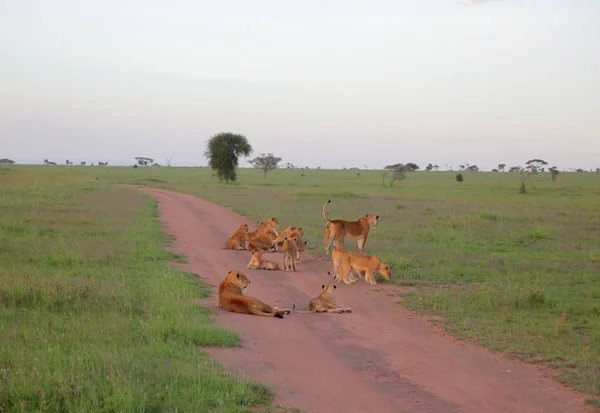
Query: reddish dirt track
[(376, 359)]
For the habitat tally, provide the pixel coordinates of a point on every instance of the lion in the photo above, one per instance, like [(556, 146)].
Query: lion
[(232, 298), (289, 249), (324, 302), (329, 238), (265, 227), (353, 229), (257, 263), (238, 240), (289, 232), (300, 248), (345, 261), (263, 242)]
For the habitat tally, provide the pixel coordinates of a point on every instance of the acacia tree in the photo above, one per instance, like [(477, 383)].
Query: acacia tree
[(400, 170), (532, 168), (265, 162), (143, 161), (554, 172), (223, 150)]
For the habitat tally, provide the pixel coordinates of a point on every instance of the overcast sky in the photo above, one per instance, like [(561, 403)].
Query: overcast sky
[(384, 81)]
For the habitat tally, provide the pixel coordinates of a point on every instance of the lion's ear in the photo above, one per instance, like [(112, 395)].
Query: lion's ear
[(293, 227)]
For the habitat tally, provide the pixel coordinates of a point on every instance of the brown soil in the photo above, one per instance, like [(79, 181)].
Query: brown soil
[(376, 359)]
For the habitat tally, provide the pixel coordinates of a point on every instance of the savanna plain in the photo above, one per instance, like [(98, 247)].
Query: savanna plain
[(94, 318)]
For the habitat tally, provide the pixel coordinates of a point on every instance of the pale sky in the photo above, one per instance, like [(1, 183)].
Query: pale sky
[(383, 81)]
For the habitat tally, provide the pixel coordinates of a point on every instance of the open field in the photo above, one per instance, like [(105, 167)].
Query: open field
[(515, 272), (92, 317)]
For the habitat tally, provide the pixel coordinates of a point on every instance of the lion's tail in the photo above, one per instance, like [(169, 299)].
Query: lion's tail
[(324, 214)]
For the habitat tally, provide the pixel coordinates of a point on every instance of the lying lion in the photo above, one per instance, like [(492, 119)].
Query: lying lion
[(232, 298), (324, 302), (257, 263), (339, 229), (269, 225), (346, 261)]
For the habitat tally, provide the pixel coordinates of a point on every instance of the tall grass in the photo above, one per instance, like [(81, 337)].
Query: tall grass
[(92, 318)]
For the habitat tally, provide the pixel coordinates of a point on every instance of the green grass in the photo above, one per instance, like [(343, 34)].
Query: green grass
[(515, 272), (92, 318)]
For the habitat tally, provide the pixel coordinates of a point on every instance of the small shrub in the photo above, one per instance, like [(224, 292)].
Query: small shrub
[(459, 177)]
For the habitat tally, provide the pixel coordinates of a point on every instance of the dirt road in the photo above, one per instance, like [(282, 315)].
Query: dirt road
[(376, 359)]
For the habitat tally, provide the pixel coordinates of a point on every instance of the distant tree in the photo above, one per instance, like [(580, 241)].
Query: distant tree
[(47, 162), (6, 161), (598, 170), (461, 167), (82, 163), (501, 167), (223, 150), (265, 162), (384, 173), (473, 168), (168, 160), (579, 170), (143, 161), (553, 172), (515, 169), (494, 170), (532, 169), (436, 167), (400, 171), (429, 167)]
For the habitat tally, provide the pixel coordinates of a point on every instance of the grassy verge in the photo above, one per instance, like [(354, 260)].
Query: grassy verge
[(91, 316)]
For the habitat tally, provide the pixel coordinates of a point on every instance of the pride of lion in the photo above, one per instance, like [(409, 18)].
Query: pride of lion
[(348, 266)]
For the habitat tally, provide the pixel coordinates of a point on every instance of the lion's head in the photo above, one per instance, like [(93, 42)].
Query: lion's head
[(238, 278), (386, 271), (373, 220)]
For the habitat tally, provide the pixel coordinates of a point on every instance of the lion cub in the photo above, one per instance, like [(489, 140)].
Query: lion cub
[(325, 302), (232, 298), (257, 263), (290, 251), (346, 261), (238, 240)]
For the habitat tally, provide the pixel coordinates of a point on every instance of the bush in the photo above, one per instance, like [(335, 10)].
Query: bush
[(459, 178)]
